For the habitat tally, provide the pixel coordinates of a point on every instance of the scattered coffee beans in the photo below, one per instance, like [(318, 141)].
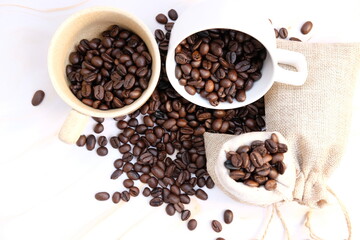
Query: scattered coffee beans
[(219, 64), (283, 33), (162, 144), (110, 72), (257, 164), (38, 97), (173, 15)]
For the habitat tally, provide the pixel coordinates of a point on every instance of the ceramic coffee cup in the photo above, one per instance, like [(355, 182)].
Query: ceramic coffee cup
[(88, 24), (212, 15)]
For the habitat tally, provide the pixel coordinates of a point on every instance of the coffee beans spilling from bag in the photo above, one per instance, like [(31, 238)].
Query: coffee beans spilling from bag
[(110, 72), (219, 64), (257, 164)]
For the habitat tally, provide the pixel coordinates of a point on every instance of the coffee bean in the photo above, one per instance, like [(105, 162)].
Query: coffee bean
[(125, 196), (156, 202), (170, 210), (38, 97), (295, 39), (81, 141), (185, 215), (98, 128), (201, 194), (228, 216), (116, 174), (190, 90), (102, 141), (128, 183), (270, 185), (306, 27), (283, 33), (192, 224), (251, 183), (256, 159), (271, 146), (161, 18), (173, 15), (102, 196), (216, 225), (116, 197), (102, 151), (146, 192), (90, 142)]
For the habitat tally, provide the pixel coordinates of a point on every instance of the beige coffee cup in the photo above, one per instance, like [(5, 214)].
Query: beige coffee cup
[(88, 24)]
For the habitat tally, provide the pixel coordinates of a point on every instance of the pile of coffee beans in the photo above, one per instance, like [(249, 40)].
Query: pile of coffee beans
[(110, 72), (257, 164), (219, 64)]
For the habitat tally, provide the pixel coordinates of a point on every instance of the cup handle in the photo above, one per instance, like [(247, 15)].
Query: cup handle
[(73, 127), (294, 59)]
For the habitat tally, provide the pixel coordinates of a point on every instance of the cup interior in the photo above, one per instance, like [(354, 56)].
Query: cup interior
[(89, 24), (258, 90)]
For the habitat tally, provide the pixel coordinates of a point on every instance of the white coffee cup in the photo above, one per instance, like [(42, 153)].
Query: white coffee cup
[(87, 24), (225, 15)]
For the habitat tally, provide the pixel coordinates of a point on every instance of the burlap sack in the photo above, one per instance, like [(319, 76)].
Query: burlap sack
[(314, 118), (216, 156)]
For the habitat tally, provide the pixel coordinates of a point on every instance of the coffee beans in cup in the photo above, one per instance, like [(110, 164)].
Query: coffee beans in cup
[(111, 71), (257, 164), (219, 64)]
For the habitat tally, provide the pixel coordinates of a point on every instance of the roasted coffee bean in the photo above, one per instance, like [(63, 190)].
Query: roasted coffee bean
[(134, 191), (228, 216), (133, 175), (173, 15), (146, 192), (306, 27), (161, 18), (170, 210), (81, 141), (102, 141), (281, 167), (118, 163), (90, 142), (201, 194), (270, 185), (185, 215), (115, 142), (156, 202), (125, 196), (102, 196), (192, 224), (236, 159), (237, 174), (116, 197), (283, 33), (38, 97), (216, 225), (102, 151), (256, 159), (116, 174), (98, 128), (128, 183), (295, 39), (271, 146), (251, 183), (124, 148)]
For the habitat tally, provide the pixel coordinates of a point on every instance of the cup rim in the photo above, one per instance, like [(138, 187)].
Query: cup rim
[(74, 102)]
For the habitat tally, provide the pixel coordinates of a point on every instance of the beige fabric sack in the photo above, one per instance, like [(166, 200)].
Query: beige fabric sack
[(314, 118), (236, 190)]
